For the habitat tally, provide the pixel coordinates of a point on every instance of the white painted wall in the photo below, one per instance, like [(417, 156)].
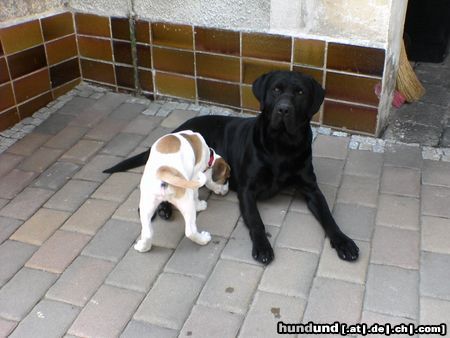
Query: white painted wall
[(351, 21)]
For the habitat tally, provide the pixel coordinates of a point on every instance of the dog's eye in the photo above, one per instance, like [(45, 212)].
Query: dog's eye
[(300, 92), (277, 89)]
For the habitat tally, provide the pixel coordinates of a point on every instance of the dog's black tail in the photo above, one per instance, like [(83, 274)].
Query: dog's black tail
[(129, 163)]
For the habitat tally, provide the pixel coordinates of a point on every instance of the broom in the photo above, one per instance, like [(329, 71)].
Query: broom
[(407, 82)]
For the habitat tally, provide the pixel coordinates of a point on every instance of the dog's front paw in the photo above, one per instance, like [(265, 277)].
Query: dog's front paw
[(345, 247), (143, 245), (201, 238), (201, 205), (262, 250), (165, 210)]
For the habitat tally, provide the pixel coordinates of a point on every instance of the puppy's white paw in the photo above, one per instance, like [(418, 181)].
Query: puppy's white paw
[(201, 205), (201, 238), (204, 237), (143, 245)]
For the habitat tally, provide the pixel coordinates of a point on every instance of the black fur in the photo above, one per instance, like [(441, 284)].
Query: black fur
[(268, 153)]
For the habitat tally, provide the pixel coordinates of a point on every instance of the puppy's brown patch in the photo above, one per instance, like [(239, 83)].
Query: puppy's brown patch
[(221, 171), (168, 144), (196, 145)]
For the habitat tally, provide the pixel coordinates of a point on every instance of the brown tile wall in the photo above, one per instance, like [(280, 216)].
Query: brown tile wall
[(38, 63), (194, 63)]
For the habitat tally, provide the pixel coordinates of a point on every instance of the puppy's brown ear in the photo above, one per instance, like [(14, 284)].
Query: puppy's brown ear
[(259, 88), (317, 96), (220, 171)]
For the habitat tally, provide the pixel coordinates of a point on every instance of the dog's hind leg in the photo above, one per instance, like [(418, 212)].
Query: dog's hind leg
[(147, 207), (199, 205), (187, 207)]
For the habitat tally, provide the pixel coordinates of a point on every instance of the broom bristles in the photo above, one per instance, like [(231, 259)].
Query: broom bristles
[(407, 82)]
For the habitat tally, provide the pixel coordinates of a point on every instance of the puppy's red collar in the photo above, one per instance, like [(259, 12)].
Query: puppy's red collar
[(211, 158)]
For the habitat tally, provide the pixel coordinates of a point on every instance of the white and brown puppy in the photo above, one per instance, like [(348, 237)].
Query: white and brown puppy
[(178, 165)]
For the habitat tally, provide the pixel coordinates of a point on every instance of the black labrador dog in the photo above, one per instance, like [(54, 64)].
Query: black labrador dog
[(268, 153)]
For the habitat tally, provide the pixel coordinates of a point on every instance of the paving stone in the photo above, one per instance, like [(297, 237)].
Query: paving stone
[(195, 260), (29, 144), (140, 329), (23, 291), (400, 181), (117, 187), (66, 138), (435, 201), (127, 111), (106, 129), (280, 202), (231, 196), (434, 311), (331, 266), (436, 94), (142, 125), (75, 106), (231, 286), (24, 205), (113, 240), (436, 234), (14, 182), (58, 251), (169, 301), (364, 163), (6, 327), (155, 135), (128, 211), (73, 287), (392, 290), (168, 233), (137, 271), (328, 170), (8, 162), (219, 219), (334, 300), (81, 152), (54, 124), (95, 113), (358, 190), (301, 232), (56, 175), (434, 271), (107, 313), (71, 195), (3, 202), (92, 171), (207, 322), (372, 318), (122, 144), (267, 310), (296, 267), (330, 146), (13, 256), (90, 216), (7, 227), (396, 247), (400, 155), (40, 160), (177, 117), (436, 173), (40, 226), (239, 246), (272, 215), (398, 211), (356, 221), (47, 319), (299, 204)]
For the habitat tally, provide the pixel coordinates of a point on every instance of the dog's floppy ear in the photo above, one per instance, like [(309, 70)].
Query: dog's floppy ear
[(317, 96), (259, 88)]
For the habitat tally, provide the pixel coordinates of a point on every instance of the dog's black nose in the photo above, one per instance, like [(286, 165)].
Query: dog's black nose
[(283, 109)]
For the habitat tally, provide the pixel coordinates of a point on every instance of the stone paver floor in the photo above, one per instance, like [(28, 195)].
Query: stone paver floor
[(67, 265)]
